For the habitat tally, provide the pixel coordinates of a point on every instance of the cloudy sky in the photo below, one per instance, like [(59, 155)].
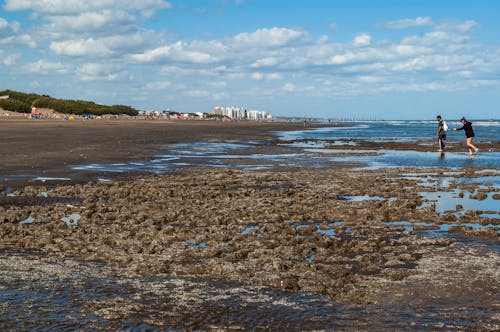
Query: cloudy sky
[(384, 59)]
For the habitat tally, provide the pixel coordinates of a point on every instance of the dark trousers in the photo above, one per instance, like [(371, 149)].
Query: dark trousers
[(441, 139)]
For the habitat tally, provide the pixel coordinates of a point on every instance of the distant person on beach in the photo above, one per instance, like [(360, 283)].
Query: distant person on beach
[(469, 133), (441, 133)]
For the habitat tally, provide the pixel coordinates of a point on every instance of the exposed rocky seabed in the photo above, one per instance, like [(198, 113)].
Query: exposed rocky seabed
[(231, 249)]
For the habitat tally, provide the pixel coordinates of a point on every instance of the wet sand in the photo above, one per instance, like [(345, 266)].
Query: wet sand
[(45, 145), (232, 249)]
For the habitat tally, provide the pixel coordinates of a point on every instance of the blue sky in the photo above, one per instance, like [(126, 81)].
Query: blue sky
[(384, 59)]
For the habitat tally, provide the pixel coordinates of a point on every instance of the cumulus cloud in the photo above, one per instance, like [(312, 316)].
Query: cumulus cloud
[(100, 72), (179, 51), (18, 40), (82, 47), (9, 60), (455, 26), (68, 7), (3, 24), (159, 85), (409, 23), (198, 93), (92, 22), (46, 67), (288, 87), (362, 40), (10, 34), (274, 37), (81, 27), (265, 62)]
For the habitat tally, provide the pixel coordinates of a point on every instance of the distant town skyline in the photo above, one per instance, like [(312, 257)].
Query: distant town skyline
[(384, 59)]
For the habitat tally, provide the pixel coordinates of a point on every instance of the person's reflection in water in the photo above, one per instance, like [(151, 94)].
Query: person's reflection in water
[(468, 167)]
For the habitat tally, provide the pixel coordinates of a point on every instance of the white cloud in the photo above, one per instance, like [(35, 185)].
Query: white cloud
[(100, 72), (19, 40), (3, 24), (265, 62), (262, 38), (82, 47), (218, 96), (218, 84), (9, 59), (46, 67), (10, 34), (456, 26), (362, 40), (198, 93), (409, 23), (68, 7), (100, 22), (180, 51), (159, 85), (257, 76), (436, 38), (289, 87)]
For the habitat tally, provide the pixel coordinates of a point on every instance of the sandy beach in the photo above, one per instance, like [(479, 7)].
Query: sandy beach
[(47, 144), (286, 248)]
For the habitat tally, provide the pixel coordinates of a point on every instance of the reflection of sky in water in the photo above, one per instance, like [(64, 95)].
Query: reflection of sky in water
[(401, 131), (312, 158), (393, 158), (448, 201), (311, 151), (440, 228)]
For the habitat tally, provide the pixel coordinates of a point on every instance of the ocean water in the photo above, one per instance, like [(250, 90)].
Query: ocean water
[(397, 131), (306, 148)]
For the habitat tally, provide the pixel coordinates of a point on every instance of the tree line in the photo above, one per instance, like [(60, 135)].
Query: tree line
[(23, 102)]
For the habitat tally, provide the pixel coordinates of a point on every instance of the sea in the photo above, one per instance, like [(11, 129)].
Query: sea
[(316, 148)]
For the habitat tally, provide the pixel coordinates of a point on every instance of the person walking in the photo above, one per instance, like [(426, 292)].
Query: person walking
[(441, 133), (469, 133)]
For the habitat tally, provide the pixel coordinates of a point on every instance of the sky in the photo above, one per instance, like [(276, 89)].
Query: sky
[(371, 59)]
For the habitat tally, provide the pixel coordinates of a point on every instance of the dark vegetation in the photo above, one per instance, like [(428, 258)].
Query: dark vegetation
[(22, 102)]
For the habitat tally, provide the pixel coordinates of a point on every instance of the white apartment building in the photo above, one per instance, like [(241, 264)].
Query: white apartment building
[(241, 113)]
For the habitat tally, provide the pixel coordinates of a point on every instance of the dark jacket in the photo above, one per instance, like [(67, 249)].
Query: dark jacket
[(468, 129)]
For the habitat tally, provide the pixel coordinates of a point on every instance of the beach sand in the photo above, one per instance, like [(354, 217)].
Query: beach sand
[(47, 144), (232, 249)]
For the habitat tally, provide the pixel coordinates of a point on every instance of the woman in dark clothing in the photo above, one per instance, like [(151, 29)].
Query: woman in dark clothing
[(469, 133)]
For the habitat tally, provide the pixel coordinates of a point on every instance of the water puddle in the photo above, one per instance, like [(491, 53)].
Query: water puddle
[(193, 246), (72, 219), (44, 179), (8, 192), (250, 229), (27, 221), (459, 201), (362, 198), (394, 158), (306, 229), (310, 154)]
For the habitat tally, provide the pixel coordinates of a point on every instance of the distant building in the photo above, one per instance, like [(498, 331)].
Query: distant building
[(4, 97), (241, 113)]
